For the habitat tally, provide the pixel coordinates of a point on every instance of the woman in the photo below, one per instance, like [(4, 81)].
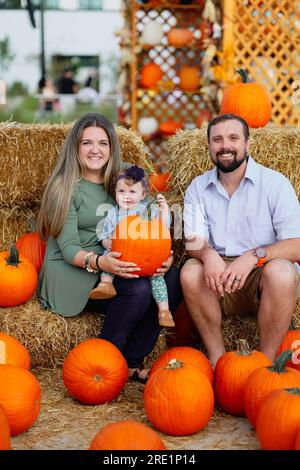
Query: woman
[(79, 189)]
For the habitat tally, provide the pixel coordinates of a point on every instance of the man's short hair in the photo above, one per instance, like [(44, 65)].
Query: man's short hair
[(228, 117)]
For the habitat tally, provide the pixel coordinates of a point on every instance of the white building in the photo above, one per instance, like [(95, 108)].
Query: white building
[(67, 32)]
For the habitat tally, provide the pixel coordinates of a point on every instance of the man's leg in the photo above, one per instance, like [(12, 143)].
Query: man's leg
[(277, 286), (204, 308)]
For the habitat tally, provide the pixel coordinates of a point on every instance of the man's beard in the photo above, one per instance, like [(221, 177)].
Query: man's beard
[(233, 165)]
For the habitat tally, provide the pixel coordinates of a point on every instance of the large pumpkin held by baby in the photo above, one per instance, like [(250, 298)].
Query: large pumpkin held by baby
[(144, 242)]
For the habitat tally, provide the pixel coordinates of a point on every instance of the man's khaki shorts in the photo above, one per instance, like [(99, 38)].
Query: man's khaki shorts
[(244, 301)]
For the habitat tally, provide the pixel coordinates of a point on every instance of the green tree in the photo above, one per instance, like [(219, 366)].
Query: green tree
[(6, 55)]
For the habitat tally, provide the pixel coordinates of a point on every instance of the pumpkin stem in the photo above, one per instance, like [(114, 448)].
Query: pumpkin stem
[(174, 364), (293, 391), (13, 257), (293, 325), (281, 361), (244, 75), (243, 347)]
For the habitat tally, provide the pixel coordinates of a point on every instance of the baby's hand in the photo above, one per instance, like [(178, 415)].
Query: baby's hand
[(161, 201)]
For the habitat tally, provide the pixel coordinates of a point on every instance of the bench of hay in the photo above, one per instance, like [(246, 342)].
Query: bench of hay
[(28, 154)]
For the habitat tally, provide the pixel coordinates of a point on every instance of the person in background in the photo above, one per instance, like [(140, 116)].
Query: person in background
[(80, 188), (66, 84), (242, 230)]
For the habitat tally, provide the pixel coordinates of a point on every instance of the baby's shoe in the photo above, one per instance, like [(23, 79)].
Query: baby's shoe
[(165, 318), (104, 290)]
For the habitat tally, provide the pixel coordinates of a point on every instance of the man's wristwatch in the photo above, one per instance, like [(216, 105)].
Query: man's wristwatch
[(261, 255)]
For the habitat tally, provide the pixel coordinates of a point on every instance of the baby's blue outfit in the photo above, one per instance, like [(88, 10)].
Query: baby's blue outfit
[(113, 218)]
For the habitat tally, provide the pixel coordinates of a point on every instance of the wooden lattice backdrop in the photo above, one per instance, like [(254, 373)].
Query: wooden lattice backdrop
[(265, 36), (168, 101)]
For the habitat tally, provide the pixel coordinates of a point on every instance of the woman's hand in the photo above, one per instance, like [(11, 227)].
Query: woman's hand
[(111, 264), (165, 266)]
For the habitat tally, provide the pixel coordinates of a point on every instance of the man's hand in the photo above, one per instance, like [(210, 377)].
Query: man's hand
[(214, 267), (236, 273)]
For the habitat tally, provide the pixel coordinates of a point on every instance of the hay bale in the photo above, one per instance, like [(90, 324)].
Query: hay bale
[(49, 337), (28, 154), (14, 222), (276, 148)]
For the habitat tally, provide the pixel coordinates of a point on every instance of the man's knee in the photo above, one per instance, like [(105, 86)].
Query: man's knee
[(192, 274), (280, 274)]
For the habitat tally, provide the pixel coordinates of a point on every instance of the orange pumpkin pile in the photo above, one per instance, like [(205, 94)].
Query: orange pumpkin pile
[(264, 380), (144, 242), (127, 435)]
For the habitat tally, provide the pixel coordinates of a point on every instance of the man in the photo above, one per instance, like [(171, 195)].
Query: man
[(242, 230)]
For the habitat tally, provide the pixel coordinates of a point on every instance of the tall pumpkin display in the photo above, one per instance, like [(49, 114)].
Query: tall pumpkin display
[(178, 399), (4, 431), (127, 435), (278, 419), (186, 355), (231, 374), (144, 242), (20, 396), (249, 100), (13, 352), (266, 379), (33, 247), (95, 372), (18, 278)]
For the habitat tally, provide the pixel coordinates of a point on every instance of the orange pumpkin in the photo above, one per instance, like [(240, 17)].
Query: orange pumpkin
[(186, 355), (266, 379), (231, 374), (127, 435), (189, 78), (33, 247), (20, 396), (144, 242), (13, 352), (179, 37), (160, 182), (251, 101), (170, 127), (150, 74), (278, 419), (18, 278), (292, 341), (95, 372), (178, 399), (4, 431), (297, 440)]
